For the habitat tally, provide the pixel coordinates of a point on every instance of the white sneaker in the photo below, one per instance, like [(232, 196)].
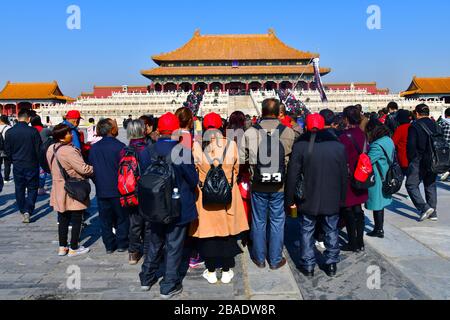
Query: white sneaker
[(79, 252), (227, 277), (320, 245), (427, 214), (63, 251), (210, 276), (445, 176), (26, 218)]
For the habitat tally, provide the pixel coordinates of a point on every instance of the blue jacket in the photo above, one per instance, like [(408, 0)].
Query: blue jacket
[(105, 156), (377, 200), (186, 175), (75, 135)]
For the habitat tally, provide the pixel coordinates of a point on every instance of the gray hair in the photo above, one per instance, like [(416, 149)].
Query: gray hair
[(136, 130)]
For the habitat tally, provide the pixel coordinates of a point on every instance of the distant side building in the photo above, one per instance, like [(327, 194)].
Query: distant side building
[(16, 96), (371, 87), (428, 89), (107, 91)]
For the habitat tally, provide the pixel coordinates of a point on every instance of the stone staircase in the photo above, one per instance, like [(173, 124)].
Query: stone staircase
[(241, 103)]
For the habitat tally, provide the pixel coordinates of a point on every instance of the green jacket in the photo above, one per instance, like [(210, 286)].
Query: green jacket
[(377, 199)]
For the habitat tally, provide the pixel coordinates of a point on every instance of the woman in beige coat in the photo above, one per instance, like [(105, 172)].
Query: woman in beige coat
[(69, 210), (218, 226)]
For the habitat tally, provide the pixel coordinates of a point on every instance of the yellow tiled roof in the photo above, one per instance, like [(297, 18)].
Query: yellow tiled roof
[(33, 91), (428, 86), (245, 70), (234, 47)]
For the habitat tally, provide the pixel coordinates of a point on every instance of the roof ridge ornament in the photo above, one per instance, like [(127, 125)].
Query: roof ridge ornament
[(197, 33), (272, 32)]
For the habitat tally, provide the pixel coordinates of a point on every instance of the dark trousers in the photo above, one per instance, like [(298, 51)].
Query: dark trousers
[(415, 177), (27, 184), (355, 223), (65, 219), (227, 263), (165, 242), (112, 215), (138, 230), (7, 169), (307, 228), (319, 235)]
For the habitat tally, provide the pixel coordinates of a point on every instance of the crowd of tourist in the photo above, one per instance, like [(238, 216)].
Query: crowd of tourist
[(210, 184)]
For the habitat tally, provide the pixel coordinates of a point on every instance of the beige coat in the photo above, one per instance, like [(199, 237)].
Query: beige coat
[(217, 221), (72, 161)]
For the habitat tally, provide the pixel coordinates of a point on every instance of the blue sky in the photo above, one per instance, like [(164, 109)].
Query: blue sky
[(117, 38)]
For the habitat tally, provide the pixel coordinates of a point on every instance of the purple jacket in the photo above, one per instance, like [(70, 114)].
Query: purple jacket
[(354, 197)]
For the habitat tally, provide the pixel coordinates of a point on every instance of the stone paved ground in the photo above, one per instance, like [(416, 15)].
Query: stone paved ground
[(413, 261)]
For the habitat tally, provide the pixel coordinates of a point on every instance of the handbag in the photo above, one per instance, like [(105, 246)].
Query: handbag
[(77, 189), (300, 193)]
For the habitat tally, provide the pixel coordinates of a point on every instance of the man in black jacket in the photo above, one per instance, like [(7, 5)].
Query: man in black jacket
[(419, 171), (323, 162), (391, 120), (23, 146)]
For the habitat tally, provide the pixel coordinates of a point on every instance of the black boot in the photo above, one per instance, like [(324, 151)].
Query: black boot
[(378, 231), (331, 269)]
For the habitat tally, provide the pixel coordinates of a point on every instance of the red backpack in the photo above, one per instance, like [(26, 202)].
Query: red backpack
[(129, 175), (363, 177)]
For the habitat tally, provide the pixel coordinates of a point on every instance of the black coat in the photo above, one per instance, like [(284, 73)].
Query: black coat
[(419, 143), (23, 146), (325, 175)]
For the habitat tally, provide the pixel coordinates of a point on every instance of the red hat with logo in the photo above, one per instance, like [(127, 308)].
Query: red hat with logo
[(73, 114), (168, 123), (315, 121), (212, 121)]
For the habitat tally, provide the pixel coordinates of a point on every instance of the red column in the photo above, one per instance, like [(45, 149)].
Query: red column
[(263, 86), (193, 87), (162, 88), (208, 87), (178, 87), (247, 87), (224, 88)]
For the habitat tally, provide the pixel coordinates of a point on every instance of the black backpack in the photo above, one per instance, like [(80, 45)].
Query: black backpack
[(43, 154), (265, 173), (392, 182), (2, 143), (440, 150), (156, 190), (216, 190)]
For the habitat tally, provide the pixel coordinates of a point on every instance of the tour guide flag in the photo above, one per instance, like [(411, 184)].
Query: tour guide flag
[(318, 80)]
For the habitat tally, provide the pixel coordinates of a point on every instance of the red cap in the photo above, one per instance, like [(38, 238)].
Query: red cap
[(168, 123), (315, 121), (73, 114), (212, 121)]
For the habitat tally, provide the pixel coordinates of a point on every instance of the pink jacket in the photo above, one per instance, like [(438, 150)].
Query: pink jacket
[(72, 161)]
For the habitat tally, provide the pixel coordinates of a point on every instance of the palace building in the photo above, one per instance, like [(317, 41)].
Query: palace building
[(30, 95), (428, 89), (233, 63)]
